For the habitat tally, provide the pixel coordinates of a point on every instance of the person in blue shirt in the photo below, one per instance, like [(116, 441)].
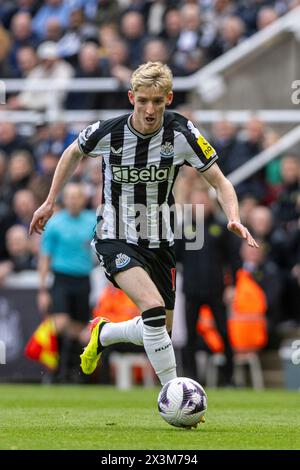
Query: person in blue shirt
[(66, 251)]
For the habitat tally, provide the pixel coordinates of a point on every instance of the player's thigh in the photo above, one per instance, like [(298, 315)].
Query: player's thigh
[(169, 319), (139, 287)]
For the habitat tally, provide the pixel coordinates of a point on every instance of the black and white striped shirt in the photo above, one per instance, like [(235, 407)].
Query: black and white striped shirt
[(139, 172)]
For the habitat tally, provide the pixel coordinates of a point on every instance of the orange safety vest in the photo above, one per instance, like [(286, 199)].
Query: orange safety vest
[(247, 324), (115, 305), (247, 327), (206, 327)]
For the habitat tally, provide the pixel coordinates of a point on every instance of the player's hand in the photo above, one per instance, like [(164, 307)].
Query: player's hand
[(43, 301), (240, 230), (41, 217)]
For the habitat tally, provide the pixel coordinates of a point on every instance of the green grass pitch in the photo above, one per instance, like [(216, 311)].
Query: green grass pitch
[(97, 417)]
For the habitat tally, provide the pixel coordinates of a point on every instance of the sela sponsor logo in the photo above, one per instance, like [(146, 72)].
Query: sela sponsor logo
[(167, 150), (125, 174), (122, 260)]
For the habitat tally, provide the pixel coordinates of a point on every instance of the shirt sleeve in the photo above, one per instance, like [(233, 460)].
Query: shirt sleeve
[(88, 140), (200, 153)]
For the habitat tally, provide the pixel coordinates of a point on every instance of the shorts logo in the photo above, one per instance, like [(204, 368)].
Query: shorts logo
[(152, 174), (122, 260), (167, 150)]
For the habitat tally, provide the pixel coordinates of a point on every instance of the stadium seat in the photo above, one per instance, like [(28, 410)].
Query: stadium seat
[(250, 359), (123, 364)]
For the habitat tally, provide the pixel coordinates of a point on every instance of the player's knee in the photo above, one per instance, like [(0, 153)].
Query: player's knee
[(149, 303), (155, 317)]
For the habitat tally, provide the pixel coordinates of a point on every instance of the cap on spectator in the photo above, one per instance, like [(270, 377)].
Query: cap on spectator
[(48, 50)]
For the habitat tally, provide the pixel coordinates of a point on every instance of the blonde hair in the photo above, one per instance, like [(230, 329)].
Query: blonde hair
[(152, 74)]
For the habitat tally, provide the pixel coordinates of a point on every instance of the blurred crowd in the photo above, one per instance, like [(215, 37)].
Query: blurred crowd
[(110, 38)]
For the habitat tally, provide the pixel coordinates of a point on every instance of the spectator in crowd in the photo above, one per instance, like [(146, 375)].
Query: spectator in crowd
[(23, 205), (66, 251), (26, 61), (11, 140), (20, 170), (108, 11), (133, 31), (172, 27), (6, 214), (265, 17), (203, 278), (58, 9), (54, 31), (232, 33), (225, 141), (5, 45), (21, 36), (79, 32), (88, 67), (286, 209), (50, 66), (20, 257)]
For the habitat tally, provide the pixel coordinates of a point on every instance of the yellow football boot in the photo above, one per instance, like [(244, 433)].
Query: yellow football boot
[(92, 353)]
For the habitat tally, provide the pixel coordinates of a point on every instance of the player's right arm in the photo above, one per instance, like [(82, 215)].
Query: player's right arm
[(65, 168), (44, 298)]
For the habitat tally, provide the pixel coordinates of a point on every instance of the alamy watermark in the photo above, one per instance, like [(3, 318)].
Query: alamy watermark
[(2, 352), (295, 356), (2, 92), (153, 222), (295, 97)]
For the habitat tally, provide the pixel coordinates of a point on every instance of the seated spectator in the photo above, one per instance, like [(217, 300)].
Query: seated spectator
[(133, 32), (21, 36), (20, 171), (286, 210), (171, 31), (107, 11), (231, 34), (20, 257), (11, 140), (24, 206), (265, 17), (78, 32), (26, 61), (58, 9), (50, 67), (88, 67)]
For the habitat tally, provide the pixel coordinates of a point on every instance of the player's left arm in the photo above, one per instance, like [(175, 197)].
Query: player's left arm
[(228, 200)]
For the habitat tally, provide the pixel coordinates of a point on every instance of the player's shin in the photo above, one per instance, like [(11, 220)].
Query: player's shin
[(130, 331), (158, 345)]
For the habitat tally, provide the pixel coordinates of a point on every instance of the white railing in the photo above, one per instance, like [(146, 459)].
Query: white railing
[(275, 116)]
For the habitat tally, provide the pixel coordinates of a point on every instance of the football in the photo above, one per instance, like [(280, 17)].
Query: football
[(182, 402)]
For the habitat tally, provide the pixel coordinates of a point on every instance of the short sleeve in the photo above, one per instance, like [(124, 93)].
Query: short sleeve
[(201, 154), (88, 140)]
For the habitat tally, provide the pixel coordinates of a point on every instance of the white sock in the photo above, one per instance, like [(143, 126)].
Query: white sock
[(130, 331), (158, 345)]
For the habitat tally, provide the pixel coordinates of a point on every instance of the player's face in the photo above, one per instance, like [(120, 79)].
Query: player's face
[(149, 106)]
